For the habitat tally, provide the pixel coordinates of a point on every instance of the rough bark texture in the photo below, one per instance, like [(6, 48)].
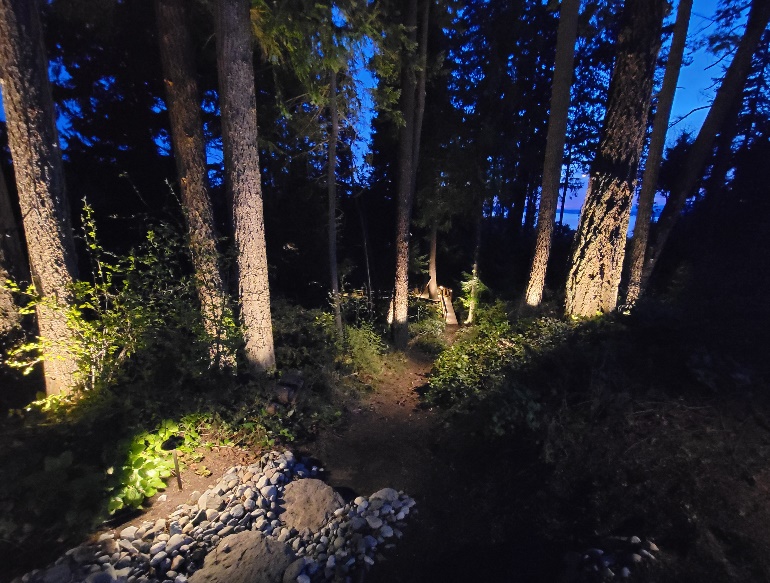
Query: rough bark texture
[(638, 245), (554, 148), (34, 145), (187, 137), (405, 187), (242, 176), (331, 179), (11, 260), (433, 283), (597, 254), (732, 85)]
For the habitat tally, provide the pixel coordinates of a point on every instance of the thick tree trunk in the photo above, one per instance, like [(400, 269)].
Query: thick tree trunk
[(11, 260), (242, 176), (187, 137), (331, 178), (473, 296), (597, 255), (554, 148), (433, 283), (732, 85), (34, 145), (405, 186), (638, 245)]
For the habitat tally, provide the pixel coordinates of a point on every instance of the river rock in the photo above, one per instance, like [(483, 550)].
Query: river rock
[(309, 504), (247, 557)]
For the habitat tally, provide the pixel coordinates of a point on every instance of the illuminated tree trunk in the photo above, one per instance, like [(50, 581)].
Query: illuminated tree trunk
[(473, 294), (597, 254), (406, 162), (433, 283), (331, 177), (638, 244), (242, 176), (187, 137), (732, 85), (554, 148), (11, 260), (34, 145)]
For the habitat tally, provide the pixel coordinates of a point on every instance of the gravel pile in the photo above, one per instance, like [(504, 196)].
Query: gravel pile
[(615, 558), (347, 536)]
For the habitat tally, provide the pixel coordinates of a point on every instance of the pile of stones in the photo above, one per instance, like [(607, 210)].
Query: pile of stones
[(268, 522), (615, 557)]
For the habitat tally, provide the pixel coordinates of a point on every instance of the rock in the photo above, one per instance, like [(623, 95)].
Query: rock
[(237, 511), (303, 579), (293, 571), (57, 574), (128, 533), (374, 521), (309, 504), (385, 495), (386, 531), (174, 543), (248, 557), (269, 492)]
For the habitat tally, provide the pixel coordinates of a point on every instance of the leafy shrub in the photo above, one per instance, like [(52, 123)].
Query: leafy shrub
[(139, 305), (427, 333), (485, 366), (364, 349)]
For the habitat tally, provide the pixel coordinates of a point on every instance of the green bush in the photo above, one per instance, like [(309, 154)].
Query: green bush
[(427, 333), (135, 316), (364, 349), (485, 367)]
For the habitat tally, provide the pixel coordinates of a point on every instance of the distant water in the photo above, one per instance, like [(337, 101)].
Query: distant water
[(572, 216)]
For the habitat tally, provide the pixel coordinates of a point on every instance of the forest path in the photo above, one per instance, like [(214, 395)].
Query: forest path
[(386, 437)]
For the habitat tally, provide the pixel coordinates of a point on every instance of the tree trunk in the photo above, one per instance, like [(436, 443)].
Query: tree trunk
[(597, 254), (34, 145), (567, 176), (433, 283), (331, 178), (421, 80), (638, 245), (732, 85), (176, 54), (11, 260), (405, 183), (473, 296), (242, 176), (554, 148)]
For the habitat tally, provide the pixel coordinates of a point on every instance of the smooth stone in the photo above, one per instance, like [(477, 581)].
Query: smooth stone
[(237, 511), (129, 532), (374, 521), (175, 542), (386, 531), (157, 547)]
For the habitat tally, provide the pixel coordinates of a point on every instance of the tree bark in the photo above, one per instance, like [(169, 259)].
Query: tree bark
[(554, 148), (433, 283), (11, 260), (331, 177), (34, 145), (473, 296), (732, 85), (405, 185), (597, 254), (242, 177), (638, 245), (176, 54)]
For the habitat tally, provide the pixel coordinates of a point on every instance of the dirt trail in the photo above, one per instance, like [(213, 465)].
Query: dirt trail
[(385, 442)]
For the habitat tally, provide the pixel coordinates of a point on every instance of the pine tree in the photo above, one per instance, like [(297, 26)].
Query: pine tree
[(638, 244), (34, 144), (597, 254), (243, 178), (187, 138), (554, 153)]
